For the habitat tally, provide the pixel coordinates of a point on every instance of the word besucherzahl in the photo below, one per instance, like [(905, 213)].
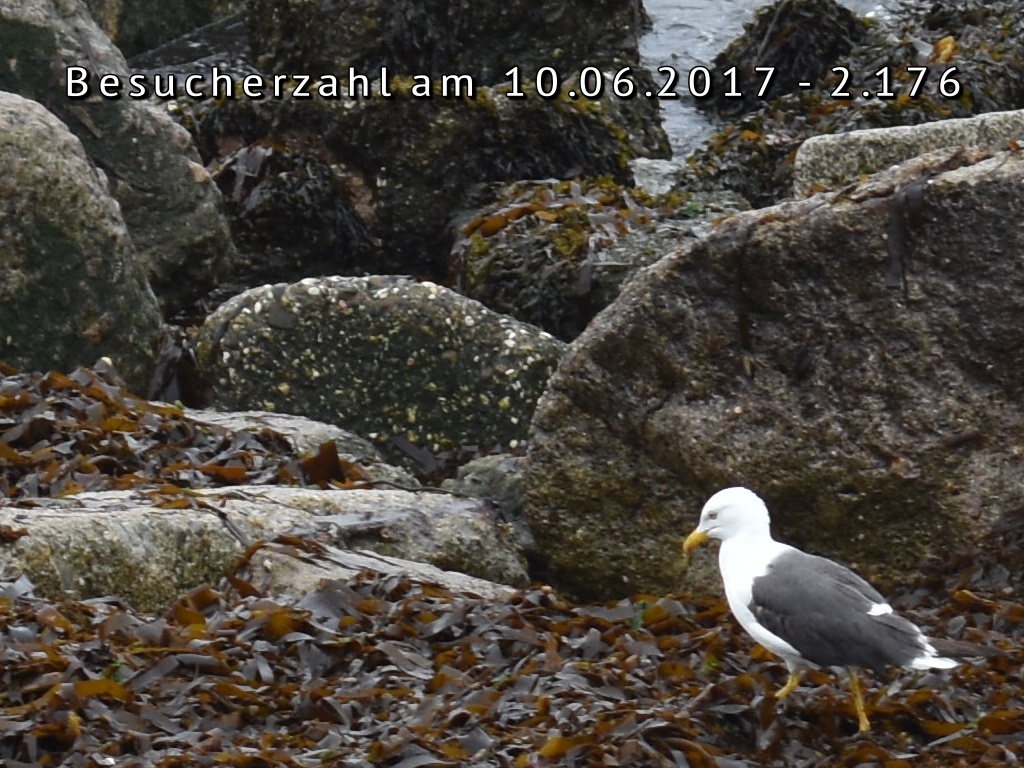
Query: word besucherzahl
[(222, 85)]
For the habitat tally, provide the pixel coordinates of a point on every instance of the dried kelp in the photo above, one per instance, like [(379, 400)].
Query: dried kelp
[(387, 672), (64, 434)]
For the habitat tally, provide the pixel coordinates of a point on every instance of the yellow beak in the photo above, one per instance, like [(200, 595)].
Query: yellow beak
[(694, 540)]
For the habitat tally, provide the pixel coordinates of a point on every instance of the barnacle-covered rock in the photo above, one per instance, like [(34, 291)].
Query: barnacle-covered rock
[(385, 357)]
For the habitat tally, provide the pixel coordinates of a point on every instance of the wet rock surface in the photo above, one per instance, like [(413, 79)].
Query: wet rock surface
[(71, 287), (172, 210), (853, 357)]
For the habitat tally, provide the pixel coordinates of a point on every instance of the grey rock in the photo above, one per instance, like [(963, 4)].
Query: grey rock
[(172, 208), (385, 357), (833, 160), (855, 357), (119, 543), (280, 572), (307, 435), (141, 25), (497, 478), (71, 288)]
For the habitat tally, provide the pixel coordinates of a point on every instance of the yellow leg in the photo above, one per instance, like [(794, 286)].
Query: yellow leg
[(791, 684), (858, 702)]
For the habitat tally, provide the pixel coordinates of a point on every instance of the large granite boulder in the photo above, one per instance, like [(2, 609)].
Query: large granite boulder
[(386, 357), (150, 550), (71, 287), (855, 357), (172, 208)]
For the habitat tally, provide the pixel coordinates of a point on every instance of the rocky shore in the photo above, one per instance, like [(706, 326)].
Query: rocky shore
[(300, 394)]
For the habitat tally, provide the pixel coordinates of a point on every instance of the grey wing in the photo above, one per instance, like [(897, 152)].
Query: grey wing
[(824, 610)]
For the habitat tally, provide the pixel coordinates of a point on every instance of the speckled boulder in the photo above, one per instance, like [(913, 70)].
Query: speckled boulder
[(71, 287), (386, 357), (857, 358)]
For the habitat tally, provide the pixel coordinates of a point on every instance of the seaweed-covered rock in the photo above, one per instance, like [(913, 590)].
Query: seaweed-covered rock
[(953, 60), (555, 253), (71, 287), (135, 26), (169, 203), (383, 356), (856, 357), (799, 39), (293, 214), (483, 40), (403, 164)]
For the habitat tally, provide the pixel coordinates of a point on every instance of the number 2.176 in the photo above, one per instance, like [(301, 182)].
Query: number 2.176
[(949, 86)]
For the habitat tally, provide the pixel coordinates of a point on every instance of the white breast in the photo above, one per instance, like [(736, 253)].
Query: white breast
[(742, 560)]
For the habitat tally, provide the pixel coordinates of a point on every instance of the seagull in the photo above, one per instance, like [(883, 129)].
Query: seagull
[(811, 611)]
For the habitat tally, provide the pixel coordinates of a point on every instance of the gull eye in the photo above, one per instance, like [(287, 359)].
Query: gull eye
[(713, 515)]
